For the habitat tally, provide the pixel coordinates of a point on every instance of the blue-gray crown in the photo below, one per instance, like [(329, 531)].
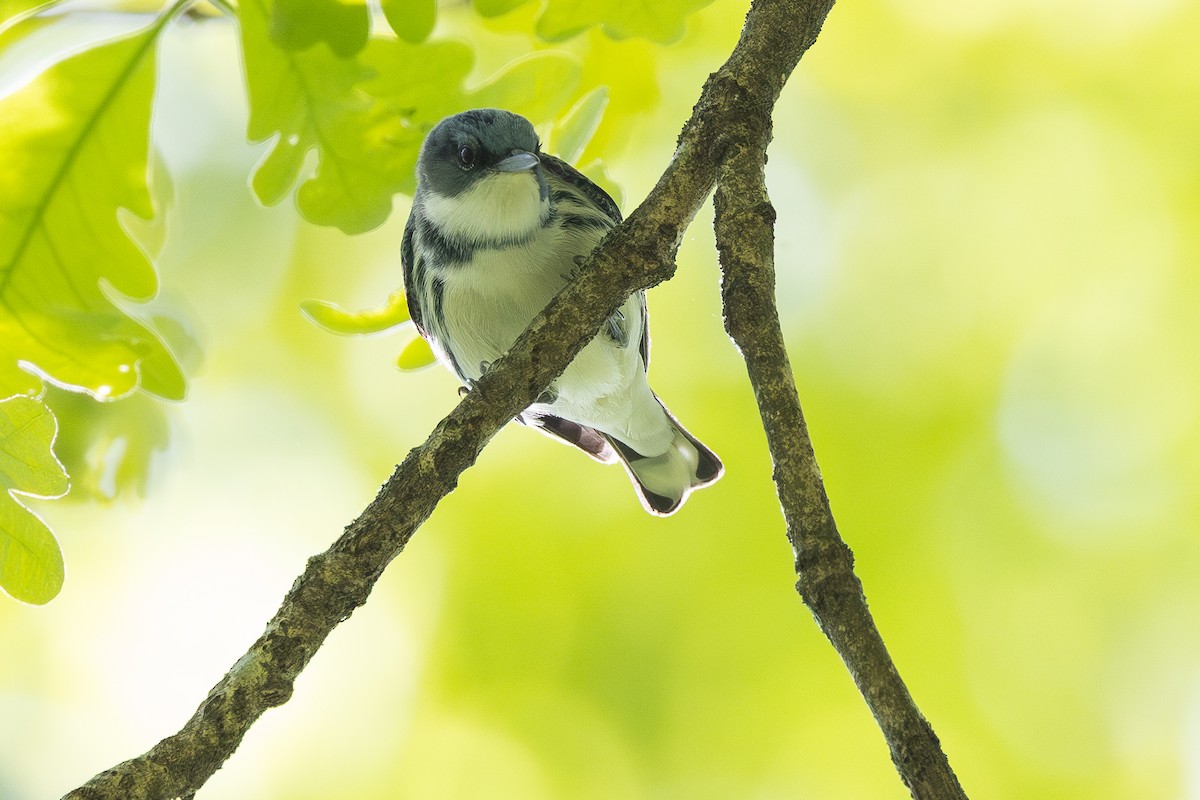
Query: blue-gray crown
[(463, 148)]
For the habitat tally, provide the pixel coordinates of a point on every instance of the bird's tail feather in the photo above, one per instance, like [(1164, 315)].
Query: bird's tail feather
[(663, 482)]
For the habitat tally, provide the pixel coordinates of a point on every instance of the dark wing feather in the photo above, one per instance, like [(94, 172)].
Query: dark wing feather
[(578, 180), (408, 261), (594, 193), (589, 440)]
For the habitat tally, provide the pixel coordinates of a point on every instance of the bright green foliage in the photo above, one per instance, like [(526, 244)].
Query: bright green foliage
[(412, 20), (494, 8), (18, 19), (10, 9), (108, 448), (335, 319), (620, 19), (416, 355), (577, 126), (299, 24), (536, 86), (424, 84), (73, 147), (366, 117), (31, 566), (309, 99)]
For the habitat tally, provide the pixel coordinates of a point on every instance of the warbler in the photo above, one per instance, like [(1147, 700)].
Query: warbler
[(497, 228)]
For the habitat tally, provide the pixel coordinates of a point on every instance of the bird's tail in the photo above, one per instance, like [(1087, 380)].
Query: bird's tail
[(664, 481)]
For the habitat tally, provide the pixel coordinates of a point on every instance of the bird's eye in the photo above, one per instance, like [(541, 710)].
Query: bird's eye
[(466, 155)]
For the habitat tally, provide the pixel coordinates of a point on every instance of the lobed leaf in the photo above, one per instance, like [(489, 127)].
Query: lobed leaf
[(73, 151), (366, 116), (31, 566), (308, 99)]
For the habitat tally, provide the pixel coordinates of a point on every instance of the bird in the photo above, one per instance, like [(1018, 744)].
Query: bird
[(497, 228)]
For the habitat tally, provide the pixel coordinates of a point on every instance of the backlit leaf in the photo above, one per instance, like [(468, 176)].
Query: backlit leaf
[(416, 355), (335, 319), (108, 448), (620, 19), (299, 24), (412, 20), (31, 566), (660, 21), (494, 8), (306, 99), (366, 116), (536, 86), (574, 131), (73, 150)]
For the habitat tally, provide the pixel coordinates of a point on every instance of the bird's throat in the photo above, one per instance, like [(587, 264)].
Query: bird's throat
[(497, 208)]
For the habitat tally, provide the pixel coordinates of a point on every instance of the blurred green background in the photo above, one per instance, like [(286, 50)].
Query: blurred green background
[(987, 250)]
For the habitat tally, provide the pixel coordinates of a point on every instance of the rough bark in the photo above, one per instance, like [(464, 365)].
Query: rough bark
[(731, 118), (745, 223)]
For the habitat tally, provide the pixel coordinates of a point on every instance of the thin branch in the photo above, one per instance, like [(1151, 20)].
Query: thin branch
[(745, 225), (736, 101)]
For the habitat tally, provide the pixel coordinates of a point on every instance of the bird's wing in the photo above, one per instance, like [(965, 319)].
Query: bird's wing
[(584, 184), (407, 260), (605, 203)]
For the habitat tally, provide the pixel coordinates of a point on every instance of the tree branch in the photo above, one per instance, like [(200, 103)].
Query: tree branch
[(736, 102), (745, 230)]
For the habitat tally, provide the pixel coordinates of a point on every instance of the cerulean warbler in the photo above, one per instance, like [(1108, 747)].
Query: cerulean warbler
[(496, 229)]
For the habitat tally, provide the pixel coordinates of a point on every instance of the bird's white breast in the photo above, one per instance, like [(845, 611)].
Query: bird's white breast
[(505, 205)]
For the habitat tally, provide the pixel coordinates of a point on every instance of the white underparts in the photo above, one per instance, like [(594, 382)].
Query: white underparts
[(499, 206)]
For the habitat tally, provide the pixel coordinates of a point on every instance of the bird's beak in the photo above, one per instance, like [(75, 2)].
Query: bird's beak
[(518, 162)]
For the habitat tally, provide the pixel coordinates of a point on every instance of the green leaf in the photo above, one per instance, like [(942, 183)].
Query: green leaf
[(20, 18), (423, 83), (418, 85), (620, 19), (335, 319), (494, 8), (412, 20), (366, 117), (310, 99), (658, 20), (31, 566), (572, 133), (12, 11), (299, 24), (73, 151), (536, 86), (108, 448), (416, 355)]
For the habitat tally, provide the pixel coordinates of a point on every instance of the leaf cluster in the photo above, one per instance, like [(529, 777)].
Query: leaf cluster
[(341, 105)]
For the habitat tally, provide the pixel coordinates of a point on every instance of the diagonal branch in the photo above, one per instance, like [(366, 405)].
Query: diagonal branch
[(745, 229), (734, 108)]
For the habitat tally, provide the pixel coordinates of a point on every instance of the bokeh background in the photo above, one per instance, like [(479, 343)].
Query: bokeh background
[(987, 253)]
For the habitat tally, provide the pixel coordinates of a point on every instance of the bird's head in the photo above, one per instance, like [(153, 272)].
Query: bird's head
[(479, 176), (474, 146)]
